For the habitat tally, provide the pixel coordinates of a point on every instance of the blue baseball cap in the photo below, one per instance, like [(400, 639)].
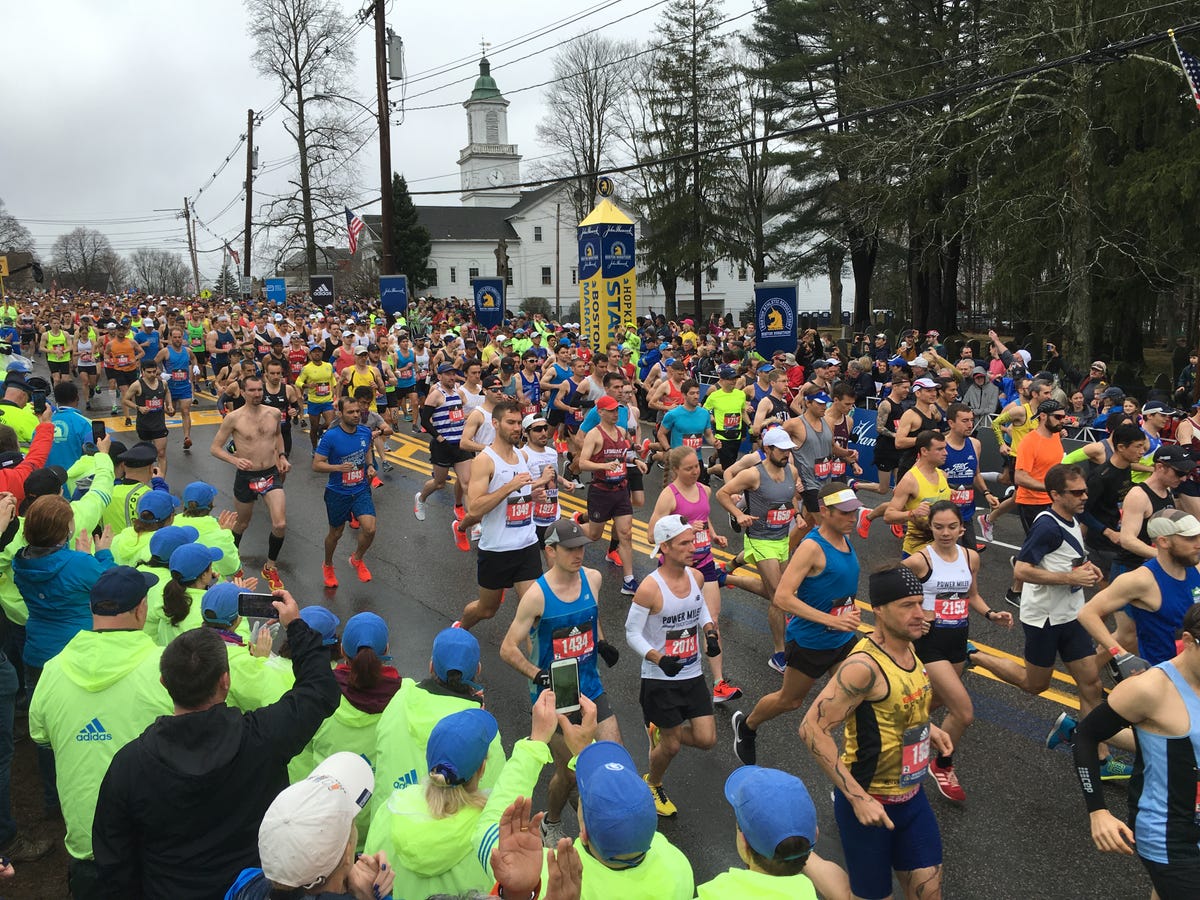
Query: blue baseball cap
[(897, 361), (220, 603), (199, 495), (323, 622), (459, 743), (770, 806), (167, 540), (664, 346), (455, 650), (564, 342), (365, 629), (190, 561), (727, 372), (156, 506), (617, 806), (120, 589), (766, 367), (445, 367), (821, 397)]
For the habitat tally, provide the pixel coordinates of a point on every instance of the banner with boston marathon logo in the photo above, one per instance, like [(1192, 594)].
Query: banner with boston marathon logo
[(320, 287), (775, 317), (862, 439), (618, 246), (590, 286), (489, 301)]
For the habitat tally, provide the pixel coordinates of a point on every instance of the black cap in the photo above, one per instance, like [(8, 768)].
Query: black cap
[(1046, 407), (1178, 458), (140, 455), (47, 480), (492, 381), (116, 450), (10, 458), (119, 590)]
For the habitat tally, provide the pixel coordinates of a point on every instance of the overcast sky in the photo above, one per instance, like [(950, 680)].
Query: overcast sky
[(114, 110)]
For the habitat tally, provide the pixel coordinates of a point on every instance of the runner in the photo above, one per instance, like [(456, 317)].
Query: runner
[(817, 591), (541, 457), (1108, 484), (887, 457), (59, 349), (219, 343), (949, 573), (87, 348), (177, 363), (406, 378), (688, 425), (259, 461), (728, 407), (442, 416), (919, 487), (147, 399), (1157, 492), (281, 396), (881, 695), (318, 379), (773, 408), (924, 415), (560, 615), (963, 453), (346, 455), (663, 627), (121, 356), (813, 455)]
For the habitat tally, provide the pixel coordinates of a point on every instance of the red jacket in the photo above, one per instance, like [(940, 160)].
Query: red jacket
[(13, 480)]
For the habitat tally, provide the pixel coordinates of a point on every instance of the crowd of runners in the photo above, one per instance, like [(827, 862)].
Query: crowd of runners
[(195, 751)]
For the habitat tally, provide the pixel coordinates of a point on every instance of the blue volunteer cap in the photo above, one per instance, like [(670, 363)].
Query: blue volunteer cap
[(199, 495), (618, 808), (323, 622), (191, 560), (771, 806), (120, 589), (455, 649), (897, 361), (365, 629), (156, 506), (167, 540), (564, 342), (459, 743), (220, 603)]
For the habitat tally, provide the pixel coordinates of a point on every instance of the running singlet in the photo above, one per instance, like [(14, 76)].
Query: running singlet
[(726, 408), (676, 630), (611, 450), (339, 446), (946, 589), (545, 512), (224, 344), (86, 353), (696, 512), (771, 505), (509, 525), (154, 399), (960, 468), (841, 440), (532, 389), (568, 631), (56, 347), (814, 458), (318, 382), (887, 740), (195, 334), (448, 419), (278, 400), (177, 366), (1156, 630), (406, 370), (833, 591), (297, 357), (927, 492)]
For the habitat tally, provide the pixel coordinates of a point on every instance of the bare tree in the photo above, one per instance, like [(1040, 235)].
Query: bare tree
[(306, 46), (81, 257), (158, 272), (582, 124), (13, 235)]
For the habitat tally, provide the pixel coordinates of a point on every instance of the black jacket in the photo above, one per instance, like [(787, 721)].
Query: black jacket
[(179, 809)]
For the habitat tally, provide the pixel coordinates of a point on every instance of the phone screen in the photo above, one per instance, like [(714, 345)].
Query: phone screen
[(564, 681), (257, 606), (39, 402), (99, 430)]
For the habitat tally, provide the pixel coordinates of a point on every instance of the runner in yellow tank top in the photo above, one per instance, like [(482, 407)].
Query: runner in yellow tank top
[(922, 485)]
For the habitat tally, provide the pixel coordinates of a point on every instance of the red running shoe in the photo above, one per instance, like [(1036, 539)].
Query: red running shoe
[(271, 575), (864, 523), (330, 576), (461, 540), (898, 531), (460, 512), (360, 568), (947, 782), (614, 557)]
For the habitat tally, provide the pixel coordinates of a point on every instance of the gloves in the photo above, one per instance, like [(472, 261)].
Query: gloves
[(608, 653), (542, 679), (671, 665), (1129, 665), (712, 643)]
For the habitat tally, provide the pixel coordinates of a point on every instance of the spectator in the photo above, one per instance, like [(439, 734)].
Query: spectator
[(1080, 414), (191, 575), (222, 766), (860, 379), (71, 428), (1185, 383), (155, 510), (215, 531), (1095, 381)]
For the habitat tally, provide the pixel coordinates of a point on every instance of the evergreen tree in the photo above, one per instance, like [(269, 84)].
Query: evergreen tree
[(226, 284), (410, 239)]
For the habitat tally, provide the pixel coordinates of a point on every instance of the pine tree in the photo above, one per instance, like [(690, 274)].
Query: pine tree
[(410, 239), (226, 284)]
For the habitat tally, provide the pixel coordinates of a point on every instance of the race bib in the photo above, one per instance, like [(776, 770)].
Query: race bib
[(224, 348), (546, 511), (405, 373), (732, 421), (823, 468), (950, 610), (297, 368), (180, 375), (154, 404), (838, 468), (578, 414), (528, 409), (914, 755), (262, 484), (780, 515), (322, 390), (682, 642), (963, 496), (455, 416), (86, 357), (703, 542), (283, 415), (571, 642), (122, 360), (518, 512), (693, 440)]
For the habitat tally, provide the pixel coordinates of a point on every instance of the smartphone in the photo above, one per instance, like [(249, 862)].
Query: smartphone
[(99, 430), (39, 402), (257, 606), (564, 681)]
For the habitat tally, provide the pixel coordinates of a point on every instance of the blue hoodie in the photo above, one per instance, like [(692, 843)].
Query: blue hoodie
[(56, 587)]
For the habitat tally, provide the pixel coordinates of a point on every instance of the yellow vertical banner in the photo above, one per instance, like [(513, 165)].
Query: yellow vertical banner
[(607, 271), (590, 303)]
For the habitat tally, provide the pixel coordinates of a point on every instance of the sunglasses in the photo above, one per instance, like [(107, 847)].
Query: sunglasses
[(538, 427), (1078, 492)]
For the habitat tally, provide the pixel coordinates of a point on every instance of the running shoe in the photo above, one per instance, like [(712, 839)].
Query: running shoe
[(460, 512), (330, 576), (552, 833), (360, 568), (1010, 491), (614, 557), (1064, 727), (722, 576), (457, 623), (971, 651), (418, 507), (644, 450), (116, 409), (187, 443), (778, 662), (1111, 769), (376, 482), (898, 531), (743, 740), (947, 782), (1013, 598), (461, 541), (354, 521), (388, 466), (986, 529), (654, 735), (864, 523), (723, 692), (980, 547), (578, 518), (128, 421), (662, 803), (629, 586), (271, 575)]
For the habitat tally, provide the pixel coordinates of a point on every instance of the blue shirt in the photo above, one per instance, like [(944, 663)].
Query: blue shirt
[(339, 446), (71, 431), (592, 419), (149, 342), (10, 335), (681, 424)]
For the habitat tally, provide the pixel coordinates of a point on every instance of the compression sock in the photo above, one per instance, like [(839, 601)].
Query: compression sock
[(274, 545), (237, 538)]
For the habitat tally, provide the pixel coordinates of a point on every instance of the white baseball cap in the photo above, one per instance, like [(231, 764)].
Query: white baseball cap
[(778, 438), (667, 529), (304, 833)]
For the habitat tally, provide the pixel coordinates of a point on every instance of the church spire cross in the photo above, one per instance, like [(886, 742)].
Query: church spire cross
[(484, 46)]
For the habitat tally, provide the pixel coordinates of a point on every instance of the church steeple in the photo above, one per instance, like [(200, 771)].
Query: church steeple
[(488, 159)]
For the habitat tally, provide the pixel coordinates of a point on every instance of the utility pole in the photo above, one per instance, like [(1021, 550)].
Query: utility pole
[(388, 263), (249, 195), (557, 272), (191, 239)]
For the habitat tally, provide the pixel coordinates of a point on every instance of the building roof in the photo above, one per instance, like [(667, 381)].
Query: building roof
[(460, 223), (485, 84)]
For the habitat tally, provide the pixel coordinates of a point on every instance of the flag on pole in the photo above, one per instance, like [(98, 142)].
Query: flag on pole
[(1191, 68), (354, 225), (237, 260)]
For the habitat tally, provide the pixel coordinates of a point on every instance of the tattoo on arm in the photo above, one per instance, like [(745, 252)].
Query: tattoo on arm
[(856, 666)]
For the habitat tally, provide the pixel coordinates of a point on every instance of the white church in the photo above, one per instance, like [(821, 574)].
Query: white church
[(537, 226)]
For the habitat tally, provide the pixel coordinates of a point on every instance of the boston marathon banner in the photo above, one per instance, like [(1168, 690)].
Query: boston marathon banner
[(775, 318), (862, 439), (393, 294), (607, 271), (320, 287), (276, 290), (489, 301)]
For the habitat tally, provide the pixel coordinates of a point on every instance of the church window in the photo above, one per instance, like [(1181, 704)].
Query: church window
[(473, 272), (574, 276), (508, 277), (546, 279), (431, 277), (492, 123), (453, 275), (537, 232), (711, 274), (741, 273)]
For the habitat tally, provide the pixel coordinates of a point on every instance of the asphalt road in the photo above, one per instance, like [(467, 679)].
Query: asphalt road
[(1023, 831)]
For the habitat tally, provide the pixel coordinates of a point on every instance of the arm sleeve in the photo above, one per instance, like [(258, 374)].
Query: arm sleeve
[(1099, 725), (427, 418), (635, 623), (1075, 457)]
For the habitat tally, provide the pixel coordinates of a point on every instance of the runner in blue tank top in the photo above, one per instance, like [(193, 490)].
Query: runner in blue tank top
[(1163, 706), (560, 615), (962, 470), (1156, 595)]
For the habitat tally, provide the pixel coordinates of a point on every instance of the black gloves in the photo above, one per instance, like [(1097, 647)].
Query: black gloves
[(671, 665), (607, 652), (712, 643)]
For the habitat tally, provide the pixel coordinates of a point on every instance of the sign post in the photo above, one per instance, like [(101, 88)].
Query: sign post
[(276, 290)]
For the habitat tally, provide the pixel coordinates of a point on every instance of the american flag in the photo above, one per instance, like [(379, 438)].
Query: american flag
[(354, 225), (237, 260), (1191, 70)]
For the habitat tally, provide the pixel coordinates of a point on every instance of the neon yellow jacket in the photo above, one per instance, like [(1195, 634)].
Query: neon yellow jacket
[(737, 884)]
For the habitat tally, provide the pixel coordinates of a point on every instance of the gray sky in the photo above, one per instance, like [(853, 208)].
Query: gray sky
[(120, 108)]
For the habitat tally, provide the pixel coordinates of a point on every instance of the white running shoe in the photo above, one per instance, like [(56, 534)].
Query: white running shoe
[(986, 529), (418, 507)]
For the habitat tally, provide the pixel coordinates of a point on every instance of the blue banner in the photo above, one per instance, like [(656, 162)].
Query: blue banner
[(393, 294), (862, 439), (276, 290), (589, 251), (489, 301), (775, 318)]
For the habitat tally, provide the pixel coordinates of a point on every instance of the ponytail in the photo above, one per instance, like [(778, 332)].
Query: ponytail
[(177, 602), (366, 669)]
